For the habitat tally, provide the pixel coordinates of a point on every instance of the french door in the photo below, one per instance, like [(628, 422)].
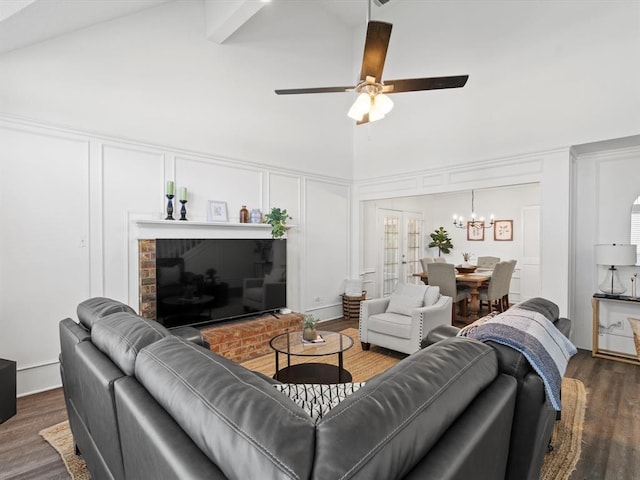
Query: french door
[(400, 247)]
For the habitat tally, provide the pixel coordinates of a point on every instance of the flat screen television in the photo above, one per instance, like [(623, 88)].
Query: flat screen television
[(204, 281)]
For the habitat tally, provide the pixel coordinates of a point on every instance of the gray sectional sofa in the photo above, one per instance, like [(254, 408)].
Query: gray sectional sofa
[(145, 403)]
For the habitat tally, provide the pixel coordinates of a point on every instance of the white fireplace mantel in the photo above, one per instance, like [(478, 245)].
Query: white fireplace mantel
[(145, 228)]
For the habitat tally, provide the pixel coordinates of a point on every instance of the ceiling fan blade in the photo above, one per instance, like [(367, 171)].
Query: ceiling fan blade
[(375, 50), (417, 84), (294, 91)]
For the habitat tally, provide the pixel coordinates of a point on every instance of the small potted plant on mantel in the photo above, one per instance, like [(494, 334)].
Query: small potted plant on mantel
[(309, 323), (277, 218)]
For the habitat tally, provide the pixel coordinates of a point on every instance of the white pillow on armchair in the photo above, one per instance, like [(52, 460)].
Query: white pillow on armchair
[(406, 298)]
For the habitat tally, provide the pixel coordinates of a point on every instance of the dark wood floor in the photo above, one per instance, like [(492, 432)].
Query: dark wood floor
[(610, 447)]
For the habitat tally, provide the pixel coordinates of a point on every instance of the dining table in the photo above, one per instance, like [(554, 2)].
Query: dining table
[(474, 281)]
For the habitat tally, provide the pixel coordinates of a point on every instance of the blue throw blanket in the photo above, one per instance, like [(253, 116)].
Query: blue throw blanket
[(533, 335)]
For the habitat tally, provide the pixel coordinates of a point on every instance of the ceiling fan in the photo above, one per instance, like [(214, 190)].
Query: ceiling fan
[(372, 102)]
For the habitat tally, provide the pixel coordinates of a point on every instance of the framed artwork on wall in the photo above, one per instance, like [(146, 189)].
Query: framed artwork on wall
[(475, 231), (217, 211), (503, 230)]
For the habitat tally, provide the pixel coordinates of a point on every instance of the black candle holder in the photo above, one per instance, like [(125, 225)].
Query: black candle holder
[(169, 208), (183, 210)]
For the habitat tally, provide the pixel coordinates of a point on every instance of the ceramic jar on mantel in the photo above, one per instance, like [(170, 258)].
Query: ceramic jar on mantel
[(255, 216)]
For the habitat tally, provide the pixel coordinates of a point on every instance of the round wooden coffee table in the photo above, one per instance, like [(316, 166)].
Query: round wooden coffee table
[(291, 344)]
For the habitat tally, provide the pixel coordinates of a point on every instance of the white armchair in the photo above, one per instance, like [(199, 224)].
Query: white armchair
[(400, 321)]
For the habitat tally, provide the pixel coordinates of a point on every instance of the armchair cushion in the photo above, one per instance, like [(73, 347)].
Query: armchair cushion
[(395, 324), (402, 304), (406, 298)]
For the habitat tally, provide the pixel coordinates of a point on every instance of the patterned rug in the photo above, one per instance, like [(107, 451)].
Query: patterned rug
[(558, 464)]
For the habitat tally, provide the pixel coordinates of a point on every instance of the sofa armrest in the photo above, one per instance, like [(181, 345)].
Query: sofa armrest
[(426, 318), (190, 334), (368, 308), (373, 306), (439, 333)]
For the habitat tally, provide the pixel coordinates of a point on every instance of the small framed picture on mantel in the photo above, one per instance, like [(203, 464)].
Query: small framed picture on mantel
[(503, 231), (217, 211)]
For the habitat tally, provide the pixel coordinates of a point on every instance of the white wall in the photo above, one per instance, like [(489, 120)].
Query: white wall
[(542, 76), (506, 203), (607, 182), (550, 169), (69, 229), (44, 247), (154, 77)]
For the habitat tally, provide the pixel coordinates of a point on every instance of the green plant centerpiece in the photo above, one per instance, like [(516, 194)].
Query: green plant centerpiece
[(440, 239), (309, 323), (277, 218), (466, 257)]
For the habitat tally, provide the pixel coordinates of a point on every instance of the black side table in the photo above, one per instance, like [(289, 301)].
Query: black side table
[(7, 389)]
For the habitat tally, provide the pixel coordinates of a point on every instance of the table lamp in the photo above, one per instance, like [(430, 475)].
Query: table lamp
[(614, 255)]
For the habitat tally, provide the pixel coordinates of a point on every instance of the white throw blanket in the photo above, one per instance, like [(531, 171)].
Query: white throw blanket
[(533, 335)]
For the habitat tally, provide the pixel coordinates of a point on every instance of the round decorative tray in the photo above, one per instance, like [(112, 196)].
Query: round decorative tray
[(469, 269)]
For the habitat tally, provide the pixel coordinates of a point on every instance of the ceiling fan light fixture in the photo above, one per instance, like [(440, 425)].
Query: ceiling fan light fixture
[(383, 102), (361, 106)]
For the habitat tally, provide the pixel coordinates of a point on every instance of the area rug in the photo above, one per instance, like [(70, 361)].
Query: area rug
[(60, 438), (566, 439), (363, 365)]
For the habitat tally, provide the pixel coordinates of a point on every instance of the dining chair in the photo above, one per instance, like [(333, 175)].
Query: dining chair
[(424, 261), (487, 262), (507, 286), (443, 275), (493, 294)]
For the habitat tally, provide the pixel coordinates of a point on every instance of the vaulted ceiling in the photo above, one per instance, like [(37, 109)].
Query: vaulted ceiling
[(26, 22)]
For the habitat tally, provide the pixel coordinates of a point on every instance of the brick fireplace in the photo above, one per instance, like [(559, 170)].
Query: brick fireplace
[(238, 340)]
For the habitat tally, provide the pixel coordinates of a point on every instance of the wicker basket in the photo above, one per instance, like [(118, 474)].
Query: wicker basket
[(635, 326), (351, 306)]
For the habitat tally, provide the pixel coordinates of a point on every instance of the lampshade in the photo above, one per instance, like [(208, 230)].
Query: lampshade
[(384, 103), (615, 254), (360, 106), (377, 106)]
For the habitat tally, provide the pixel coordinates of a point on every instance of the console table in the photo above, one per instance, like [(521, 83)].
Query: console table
[(631, 304)]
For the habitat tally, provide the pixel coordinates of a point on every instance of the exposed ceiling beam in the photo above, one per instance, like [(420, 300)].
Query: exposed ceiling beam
[(224, 17)]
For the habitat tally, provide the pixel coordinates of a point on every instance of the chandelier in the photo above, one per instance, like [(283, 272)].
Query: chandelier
[(458, 221)]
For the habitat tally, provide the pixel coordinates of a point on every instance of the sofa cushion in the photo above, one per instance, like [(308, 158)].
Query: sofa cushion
[(541, 305), (385, 428), (390, 324), (406, 298), (317, 399), (236, 418), (96, 308), (122, 335)]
